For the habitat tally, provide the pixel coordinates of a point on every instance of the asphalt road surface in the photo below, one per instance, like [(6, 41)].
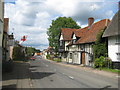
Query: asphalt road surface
[(48, 74)]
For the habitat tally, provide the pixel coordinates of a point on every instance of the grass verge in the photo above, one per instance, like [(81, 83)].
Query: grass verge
[(110, 70)]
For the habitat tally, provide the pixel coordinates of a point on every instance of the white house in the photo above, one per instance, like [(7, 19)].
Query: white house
[(112, 33), (79, 49), (64, 40)]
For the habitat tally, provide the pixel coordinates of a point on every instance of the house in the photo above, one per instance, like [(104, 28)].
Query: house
[(44, 53), (79, 48), (112, 33), (11, 44), (49, 51), (64, 39)]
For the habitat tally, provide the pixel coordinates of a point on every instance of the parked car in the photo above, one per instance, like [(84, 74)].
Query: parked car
[(33, 58)]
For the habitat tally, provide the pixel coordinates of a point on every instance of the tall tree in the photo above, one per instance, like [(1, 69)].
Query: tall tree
[(54, 29)]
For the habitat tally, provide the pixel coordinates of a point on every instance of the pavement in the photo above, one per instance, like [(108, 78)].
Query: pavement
[(43, 73), (18, 78)]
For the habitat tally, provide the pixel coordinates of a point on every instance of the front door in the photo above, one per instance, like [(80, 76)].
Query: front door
[(83, 58)]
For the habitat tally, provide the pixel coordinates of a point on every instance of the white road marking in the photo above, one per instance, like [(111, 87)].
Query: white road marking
[(71, 77), (118, 76), (46, 65), (32, 68), (55, 70)]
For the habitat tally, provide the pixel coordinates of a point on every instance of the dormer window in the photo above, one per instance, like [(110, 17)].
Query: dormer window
[(61, 43), (61, 37), (73, 41)]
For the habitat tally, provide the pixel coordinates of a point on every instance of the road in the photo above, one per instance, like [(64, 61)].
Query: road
[(48, 74)]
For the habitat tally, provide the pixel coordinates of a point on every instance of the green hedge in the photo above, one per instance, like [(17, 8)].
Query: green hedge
[(18, 55)]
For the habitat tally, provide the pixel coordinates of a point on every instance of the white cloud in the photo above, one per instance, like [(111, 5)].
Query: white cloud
[(32, 18)]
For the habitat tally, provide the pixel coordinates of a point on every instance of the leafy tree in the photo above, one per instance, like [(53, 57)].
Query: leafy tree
[(30, 51), (100, 46), (54, 29)]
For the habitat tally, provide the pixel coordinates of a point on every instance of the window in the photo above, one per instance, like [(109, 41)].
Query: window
[(60, 43), (73, 41), (118, 39), (118, 56), (70, 55)]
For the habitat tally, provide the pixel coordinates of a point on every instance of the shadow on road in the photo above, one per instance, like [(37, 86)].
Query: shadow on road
[(24, 71), (40, 75)]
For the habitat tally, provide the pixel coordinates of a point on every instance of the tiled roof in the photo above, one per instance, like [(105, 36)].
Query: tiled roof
[(6, 23), (67, 33), (89, 34), (114, 26), (81, 32), (49, 49)]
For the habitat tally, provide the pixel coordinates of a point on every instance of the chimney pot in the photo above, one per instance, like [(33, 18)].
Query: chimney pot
[(90, 21)]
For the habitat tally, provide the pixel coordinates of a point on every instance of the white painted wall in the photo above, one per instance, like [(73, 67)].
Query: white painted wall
[(76, 57), (66, 43), (113, 48), (61, 37), (88, 51)]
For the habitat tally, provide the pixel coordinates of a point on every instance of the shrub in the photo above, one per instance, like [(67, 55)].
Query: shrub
[(102, 62), (57, 60), (48, 56), (99, 62)]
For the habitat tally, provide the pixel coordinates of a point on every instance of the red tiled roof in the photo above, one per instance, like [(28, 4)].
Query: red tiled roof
[(6, 23), (67, 33), (90, 34), (48, 49)]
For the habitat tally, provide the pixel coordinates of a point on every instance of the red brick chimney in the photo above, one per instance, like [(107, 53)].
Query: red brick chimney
[(90, 21)]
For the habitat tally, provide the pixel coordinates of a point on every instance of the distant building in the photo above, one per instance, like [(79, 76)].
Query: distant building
[(112, 33), (48, 51)]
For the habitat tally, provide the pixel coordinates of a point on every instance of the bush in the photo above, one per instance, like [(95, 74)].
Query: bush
[(102, 62), (48, 56), (57, 60), (99, 62)]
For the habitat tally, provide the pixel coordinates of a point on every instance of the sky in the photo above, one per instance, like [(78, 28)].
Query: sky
[(33, 17)]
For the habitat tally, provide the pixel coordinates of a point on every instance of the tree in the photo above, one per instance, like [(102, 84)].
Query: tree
[(100, 46), (54, 29), (30, 51)]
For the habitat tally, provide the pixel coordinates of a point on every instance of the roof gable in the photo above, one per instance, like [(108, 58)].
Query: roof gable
[(61, 37), (113, 27), (67, 33)]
